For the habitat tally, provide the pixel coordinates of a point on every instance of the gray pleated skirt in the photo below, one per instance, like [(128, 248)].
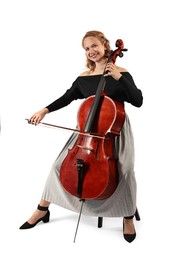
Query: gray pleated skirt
[(121, 203)]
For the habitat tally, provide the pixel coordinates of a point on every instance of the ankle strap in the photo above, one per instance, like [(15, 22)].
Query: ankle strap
[(42, 208), (129, 217)]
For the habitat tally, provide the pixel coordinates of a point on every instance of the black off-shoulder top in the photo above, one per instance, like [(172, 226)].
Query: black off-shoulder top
[(122, 90)]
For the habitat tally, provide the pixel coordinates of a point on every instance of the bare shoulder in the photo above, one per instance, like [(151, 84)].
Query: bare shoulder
[(120, 69), (85, 73)]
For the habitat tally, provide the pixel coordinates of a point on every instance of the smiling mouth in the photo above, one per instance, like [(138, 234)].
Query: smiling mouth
[(93, 56)]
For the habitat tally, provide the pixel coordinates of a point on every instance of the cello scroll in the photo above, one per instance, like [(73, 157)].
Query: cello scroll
[(118, 52)]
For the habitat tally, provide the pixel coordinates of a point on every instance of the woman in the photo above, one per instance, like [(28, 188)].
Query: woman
[(121, 87)]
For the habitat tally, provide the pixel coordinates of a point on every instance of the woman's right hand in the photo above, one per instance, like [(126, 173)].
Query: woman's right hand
[(38, 116)]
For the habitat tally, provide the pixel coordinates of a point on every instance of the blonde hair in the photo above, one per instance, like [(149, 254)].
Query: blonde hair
[(100, 36)]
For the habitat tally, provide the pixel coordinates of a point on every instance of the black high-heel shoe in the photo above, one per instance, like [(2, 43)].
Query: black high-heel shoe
[(130, 237), (45, 219)]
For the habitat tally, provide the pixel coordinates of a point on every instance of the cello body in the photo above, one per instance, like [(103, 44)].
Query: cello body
[(97, 178)]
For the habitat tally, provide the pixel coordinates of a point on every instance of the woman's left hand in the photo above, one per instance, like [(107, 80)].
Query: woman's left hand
[(112, 71)]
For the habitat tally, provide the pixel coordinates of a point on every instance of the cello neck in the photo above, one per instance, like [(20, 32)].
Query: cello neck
[(93, 110)]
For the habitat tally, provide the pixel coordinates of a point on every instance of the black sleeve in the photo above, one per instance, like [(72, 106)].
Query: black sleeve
[(132, 93), (71, 94)]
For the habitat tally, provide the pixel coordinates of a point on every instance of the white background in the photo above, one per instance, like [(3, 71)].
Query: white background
[(41, 55)]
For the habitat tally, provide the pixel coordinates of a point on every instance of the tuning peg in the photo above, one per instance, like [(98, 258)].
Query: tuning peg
[(121, 55)]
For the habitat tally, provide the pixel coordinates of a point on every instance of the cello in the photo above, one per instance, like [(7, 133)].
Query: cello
[(89, 170)]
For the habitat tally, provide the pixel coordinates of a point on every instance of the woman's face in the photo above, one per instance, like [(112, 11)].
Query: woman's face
[(94, 49)]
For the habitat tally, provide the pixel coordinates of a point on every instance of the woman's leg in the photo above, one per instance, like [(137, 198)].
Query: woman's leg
[(129, 226), (39, 213)]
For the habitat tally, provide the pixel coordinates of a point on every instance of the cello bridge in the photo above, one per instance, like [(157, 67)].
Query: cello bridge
[(85, 148)]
